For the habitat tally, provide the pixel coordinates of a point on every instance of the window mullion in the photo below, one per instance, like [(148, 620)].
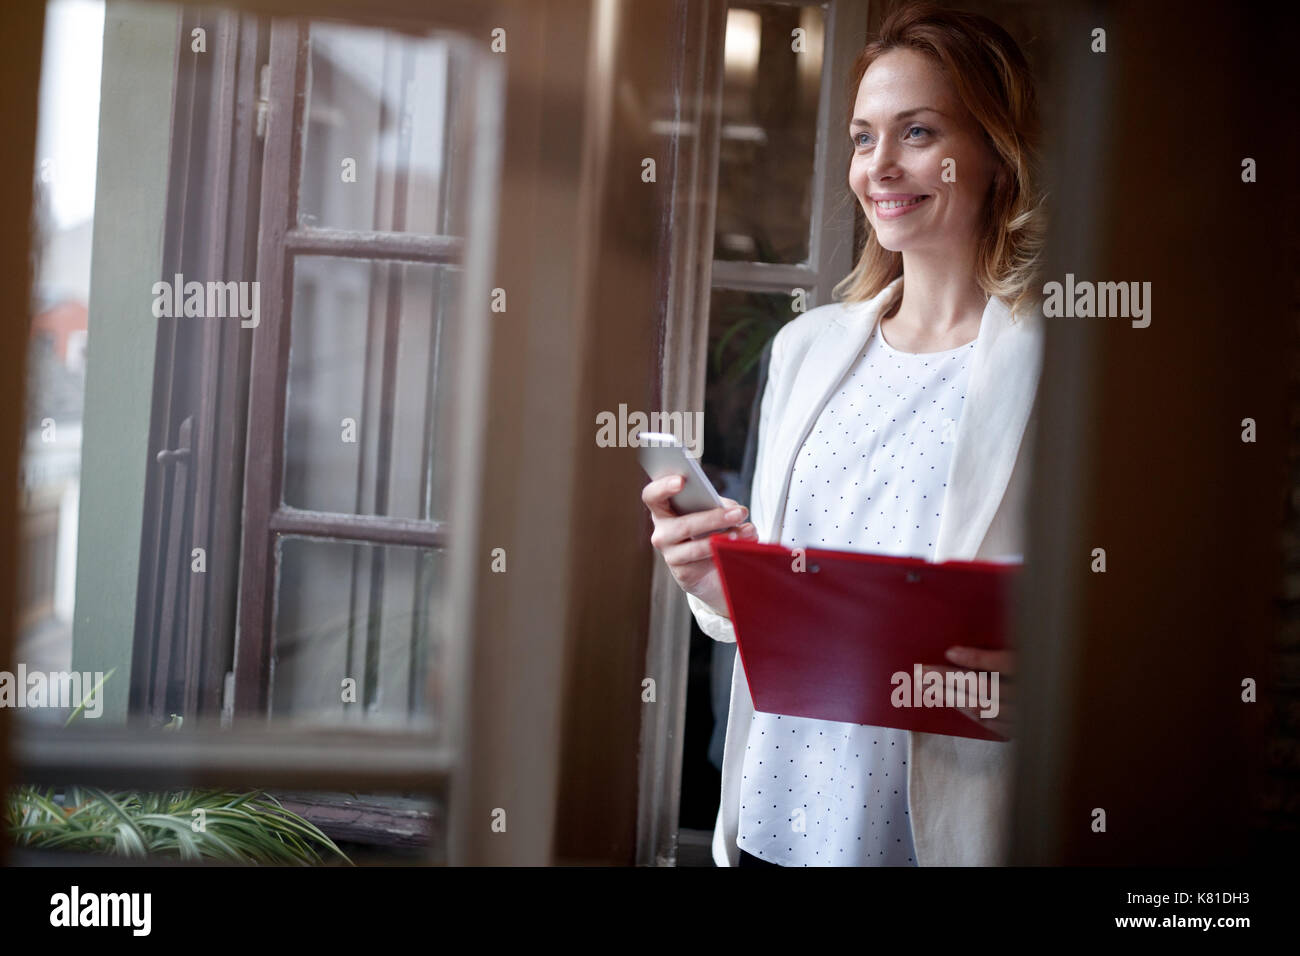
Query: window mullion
[(830, 253), (763, 276)]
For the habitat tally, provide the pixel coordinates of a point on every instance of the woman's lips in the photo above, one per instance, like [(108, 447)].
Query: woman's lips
[(892, 210)]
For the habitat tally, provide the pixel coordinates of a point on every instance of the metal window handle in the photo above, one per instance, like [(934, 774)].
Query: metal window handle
[(169, 455)]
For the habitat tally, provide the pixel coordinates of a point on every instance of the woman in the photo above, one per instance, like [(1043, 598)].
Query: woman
[(893, 422)]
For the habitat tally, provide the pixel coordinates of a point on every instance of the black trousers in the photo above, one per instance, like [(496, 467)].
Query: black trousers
[(748, 859)]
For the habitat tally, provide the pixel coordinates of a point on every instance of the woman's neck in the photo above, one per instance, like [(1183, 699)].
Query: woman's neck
[(941, 307)]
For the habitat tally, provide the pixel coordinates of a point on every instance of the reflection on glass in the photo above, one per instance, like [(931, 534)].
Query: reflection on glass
[(772, 81), (352, 634), (363, 371), (382, 150), (741, 324)]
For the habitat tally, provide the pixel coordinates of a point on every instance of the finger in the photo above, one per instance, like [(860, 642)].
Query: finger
[(943, 669), (670, 531), (679, 556), (689, 552), (977, 658), (656, 495), (1005, 712), (968, 704), (715, 519)]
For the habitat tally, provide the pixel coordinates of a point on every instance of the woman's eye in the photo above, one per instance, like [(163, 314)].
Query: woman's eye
[(863, 140)]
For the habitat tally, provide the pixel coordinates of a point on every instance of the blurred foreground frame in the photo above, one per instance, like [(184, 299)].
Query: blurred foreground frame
[(1137, 708)]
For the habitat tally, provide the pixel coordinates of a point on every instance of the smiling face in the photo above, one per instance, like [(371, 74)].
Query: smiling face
[(907, 120)]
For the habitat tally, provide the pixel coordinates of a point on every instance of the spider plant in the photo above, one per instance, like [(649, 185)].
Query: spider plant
[(186, 824)]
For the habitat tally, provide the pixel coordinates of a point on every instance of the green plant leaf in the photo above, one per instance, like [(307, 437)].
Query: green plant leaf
[(82, 706), (248, 827)]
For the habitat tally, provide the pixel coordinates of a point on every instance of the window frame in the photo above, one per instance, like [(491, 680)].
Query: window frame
[(541, 193), (831, 225), (695, 275), (197, 425), (267, 518), (209, 199)]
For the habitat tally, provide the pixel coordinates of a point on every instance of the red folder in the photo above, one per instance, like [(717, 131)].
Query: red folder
[(827, 641)]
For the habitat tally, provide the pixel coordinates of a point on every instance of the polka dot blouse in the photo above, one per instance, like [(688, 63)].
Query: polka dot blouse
[(871, 476)]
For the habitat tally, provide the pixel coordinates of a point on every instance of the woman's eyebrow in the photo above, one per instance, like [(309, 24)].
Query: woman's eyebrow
[(858, 121)]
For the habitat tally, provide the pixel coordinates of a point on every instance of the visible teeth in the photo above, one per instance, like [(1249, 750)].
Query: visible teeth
[(895, 203)]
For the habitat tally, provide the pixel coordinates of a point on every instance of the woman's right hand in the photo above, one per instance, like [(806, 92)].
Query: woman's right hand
[(691, 561)]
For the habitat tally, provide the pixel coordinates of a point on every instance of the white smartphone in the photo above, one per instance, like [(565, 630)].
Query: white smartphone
[(661, 455)]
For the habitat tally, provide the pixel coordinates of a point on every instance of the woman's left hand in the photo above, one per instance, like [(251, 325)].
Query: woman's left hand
[(1003, 663)]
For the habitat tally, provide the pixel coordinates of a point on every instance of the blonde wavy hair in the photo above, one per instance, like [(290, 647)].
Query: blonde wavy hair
[(992, 79)]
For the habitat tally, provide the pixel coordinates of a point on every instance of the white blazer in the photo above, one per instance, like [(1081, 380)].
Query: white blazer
[(959, 788)]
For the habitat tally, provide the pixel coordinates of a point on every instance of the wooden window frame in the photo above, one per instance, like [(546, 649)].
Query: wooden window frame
[(695, 274), (553, 239), (831, 225), (185, 623), (267, 518), (221, 195)]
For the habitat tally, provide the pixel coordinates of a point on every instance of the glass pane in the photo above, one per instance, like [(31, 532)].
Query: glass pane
[(352, 633), (129, 575), (364, 365), (385, 139), (741, 324), (768, 140)]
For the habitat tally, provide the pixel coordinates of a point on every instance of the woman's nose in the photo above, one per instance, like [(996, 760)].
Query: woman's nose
[(881, 166)]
